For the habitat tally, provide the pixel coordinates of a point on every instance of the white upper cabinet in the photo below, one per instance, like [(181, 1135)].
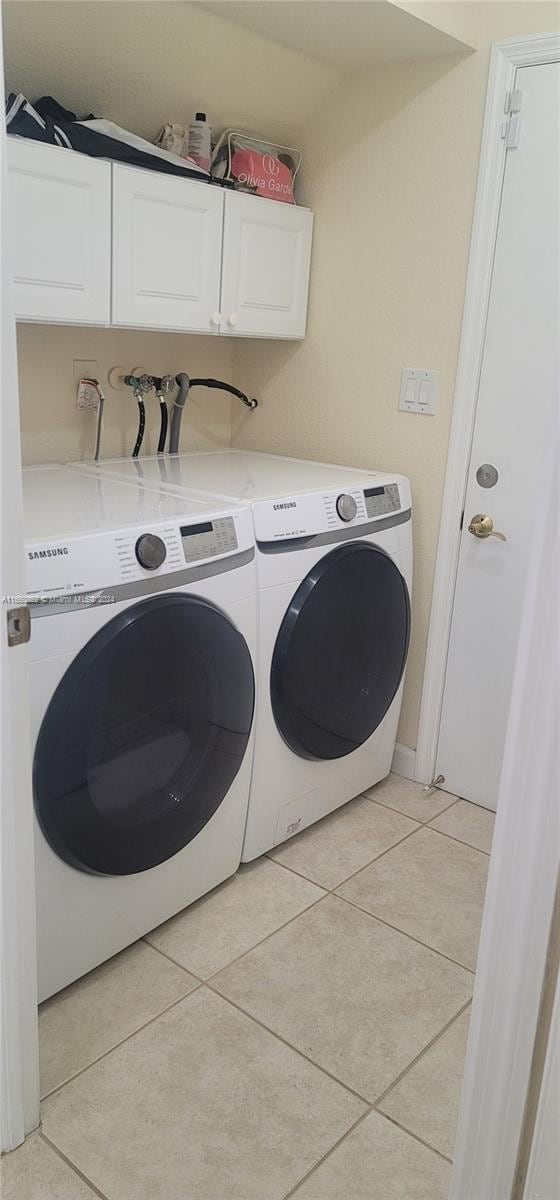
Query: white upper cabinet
[(265, 268), (99, 243), (60, 234), (167, 244)]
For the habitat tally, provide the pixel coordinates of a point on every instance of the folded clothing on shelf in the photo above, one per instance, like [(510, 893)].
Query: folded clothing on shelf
[(48, 121)]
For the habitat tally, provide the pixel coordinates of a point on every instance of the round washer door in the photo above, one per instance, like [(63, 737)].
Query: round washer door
[(340, 652), (144, 735)]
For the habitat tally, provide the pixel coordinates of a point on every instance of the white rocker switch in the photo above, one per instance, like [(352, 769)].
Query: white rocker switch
[(418, 392)]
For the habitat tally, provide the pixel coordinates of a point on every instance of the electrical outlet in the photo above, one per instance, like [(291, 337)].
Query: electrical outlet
[(84, 369)]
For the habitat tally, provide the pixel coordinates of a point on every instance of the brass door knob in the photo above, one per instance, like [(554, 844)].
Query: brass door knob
[(482, 526)]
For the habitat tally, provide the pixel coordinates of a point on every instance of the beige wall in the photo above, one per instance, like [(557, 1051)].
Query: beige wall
[(144, 62), (390, 171), (53, 430)]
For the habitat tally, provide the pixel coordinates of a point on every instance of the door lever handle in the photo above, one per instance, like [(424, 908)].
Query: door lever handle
[(482, 526)]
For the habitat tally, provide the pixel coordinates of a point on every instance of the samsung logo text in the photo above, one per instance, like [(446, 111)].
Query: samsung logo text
[(50, 552)]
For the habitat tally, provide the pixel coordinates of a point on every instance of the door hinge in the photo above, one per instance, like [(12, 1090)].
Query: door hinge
[(511, 127), (19, 625)]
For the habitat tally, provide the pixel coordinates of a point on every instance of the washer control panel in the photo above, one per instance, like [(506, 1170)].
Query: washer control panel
[(99, 561), (206, 539), (380, 500)]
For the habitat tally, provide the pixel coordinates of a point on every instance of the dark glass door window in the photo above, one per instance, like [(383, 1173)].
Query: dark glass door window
[(340, 652), (144, 735)]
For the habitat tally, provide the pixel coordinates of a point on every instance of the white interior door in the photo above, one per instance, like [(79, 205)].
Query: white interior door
[(518, 392)]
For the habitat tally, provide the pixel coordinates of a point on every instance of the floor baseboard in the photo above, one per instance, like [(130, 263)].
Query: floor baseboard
[(404, 761)]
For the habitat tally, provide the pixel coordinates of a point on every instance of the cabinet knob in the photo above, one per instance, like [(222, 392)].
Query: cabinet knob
[(216, 318), (233, 319)]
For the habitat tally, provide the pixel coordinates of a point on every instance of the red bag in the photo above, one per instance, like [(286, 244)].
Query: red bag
[(256, 166)]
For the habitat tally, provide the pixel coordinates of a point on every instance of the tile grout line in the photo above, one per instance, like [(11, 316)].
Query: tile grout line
[(295, 1049), (92, 1186), (415, 1136), (372, 1106), (331, 891), (164, 953), (370, 1109), (326, 1155), (266, 938), (452, 838), (405, 814), (420, 1055), (100, 1057), (382, 921)]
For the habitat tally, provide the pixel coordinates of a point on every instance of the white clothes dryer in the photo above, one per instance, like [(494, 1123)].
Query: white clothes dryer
[(334, 568), (143, 608)]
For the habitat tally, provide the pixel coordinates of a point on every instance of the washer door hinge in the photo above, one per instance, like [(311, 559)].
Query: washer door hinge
[(511, 127), (19, 625)]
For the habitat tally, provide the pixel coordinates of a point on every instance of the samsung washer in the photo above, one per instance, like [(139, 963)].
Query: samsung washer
[(334, 569), (142, 694)]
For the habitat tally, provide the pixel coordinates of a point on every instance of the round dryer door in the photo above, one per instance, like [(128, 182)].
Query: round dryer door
[(341, 652), (144, 736)]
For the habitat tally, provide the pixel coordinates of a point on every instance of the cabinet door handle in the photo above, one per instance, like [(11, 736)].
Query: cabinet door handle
[(216, 318), (233, 319)]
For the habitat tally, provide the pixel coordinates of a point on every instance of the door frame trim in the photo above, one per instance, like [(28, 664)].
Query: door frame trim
[(506, 57), (19, 1047)]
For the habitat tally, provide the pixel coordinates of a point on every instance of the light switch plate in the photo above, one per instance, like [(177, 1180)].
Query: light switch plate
[(418, 392)]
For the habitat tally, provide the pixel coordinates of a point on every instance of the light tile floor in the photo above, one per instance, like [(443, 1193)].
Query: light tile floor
[(299, 1032)]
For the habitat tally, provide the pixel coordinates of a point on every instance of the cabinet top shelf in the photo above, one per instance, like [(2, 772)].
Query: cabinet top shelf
[(46, 148)]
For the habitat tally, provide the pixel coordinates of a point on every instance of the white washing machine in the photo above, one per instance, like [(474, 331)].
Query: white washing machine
[(142, 690), (334, 568)]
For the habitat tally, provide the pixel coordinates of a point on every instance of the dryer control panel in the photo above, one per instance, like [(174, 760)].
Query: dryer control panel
[(380, 500), (313, 513)]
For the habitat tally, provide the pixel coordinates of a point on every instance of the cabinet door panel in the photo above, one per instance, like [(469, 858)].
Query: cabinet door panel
[(60, 218), (167, 237), (265, 271)]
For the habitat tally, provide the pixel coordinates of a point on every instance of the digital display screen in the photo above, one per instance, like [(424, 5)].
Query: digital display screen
[(379, 491), (193, 530)]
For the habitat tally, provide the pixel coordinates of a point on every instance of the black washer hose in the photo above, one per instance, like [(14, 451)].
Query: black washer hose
[(164, 417), (141, 428), (184, 385), (225, 387)]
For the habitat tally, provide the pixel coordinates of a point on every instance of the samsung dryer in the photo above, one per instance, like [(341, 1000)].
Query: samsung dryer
[(334, 568), (142, 693)]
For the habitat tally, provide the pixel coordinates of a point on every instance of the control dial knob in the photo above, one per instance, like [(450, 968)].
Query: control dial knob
[(150, 551), (346, 507)]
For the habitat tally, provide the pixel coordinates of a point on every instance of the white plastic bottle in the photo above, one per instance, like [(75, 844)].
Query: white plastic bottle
[(199, 146)]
